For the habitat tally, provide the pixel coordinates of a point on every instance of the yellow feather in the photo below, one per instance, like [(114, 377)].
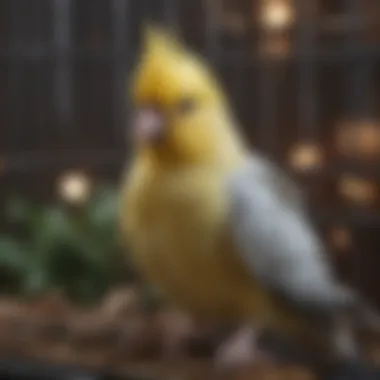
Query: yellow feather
[(175, 210)]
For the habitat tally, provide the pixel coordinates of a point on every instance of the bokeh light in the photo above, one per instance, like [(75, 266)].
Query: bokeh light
[(74, 187), (276, 15), (306, 157), (359, 140), (357, 190)]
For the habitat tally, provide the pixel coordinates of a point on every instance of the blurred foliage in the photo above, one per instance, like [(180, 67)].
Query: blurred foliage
[(73, 249)]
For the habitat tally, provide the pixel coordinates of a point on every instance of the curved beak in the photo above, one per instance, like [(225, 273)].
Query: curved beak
[(148, 125)]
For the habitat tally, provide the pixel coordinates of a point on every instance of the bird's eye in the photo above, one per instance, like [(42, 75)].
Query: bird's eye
[(186, 105)]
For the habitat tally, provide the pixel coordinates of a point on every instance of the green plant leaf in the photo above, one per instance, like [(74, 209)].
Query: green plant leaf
[(102, 210), (53, 226), (13, 264), (66, 248), (37, 281), (13, 254)]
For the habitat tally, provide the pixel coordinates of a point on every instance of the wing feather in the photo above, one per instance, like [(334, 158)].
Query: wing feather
[(276, 239)]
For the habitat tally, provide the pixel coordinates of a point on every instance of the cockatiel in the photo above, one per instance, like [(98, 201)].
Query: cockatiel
[(221, 231)]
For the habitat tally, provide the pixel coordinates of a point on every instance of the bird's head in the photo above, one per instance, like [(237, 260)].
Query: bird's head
[(180, 110)]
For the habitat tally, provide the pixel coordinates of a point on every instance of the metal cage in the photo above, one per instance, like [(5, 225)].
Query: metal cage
[(303, 77)]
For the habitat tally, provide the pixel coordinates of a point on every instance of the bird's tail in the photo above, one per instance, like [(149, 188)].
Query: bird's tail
[(363, 314)]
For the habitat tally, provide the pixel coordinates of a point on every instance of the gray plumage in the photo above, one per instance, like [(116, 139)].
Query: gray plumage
[(277, 241)]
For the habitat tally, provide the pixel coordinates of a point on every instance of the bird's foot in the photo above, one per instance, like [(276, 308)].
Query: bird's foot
[(239, 350)]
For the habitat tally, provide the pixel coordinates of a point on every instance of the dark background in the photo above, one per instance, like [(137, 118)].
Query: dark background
[(64, 68)]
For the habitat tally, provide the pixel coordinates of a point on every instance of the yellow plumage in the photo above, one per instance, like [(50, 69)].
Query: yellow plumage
[(175, 211)]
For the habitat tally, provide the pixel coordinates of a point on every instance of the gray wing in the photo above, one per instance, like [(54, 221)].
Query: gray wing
[(277, 241)]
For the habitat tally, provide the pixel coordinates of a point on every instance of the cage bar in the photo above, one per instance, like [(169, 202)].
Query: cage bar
[(63, 75), (269, 68), (307, 95), (15, 129), (359, 100), (171, 11), (121, 59), (213, 11)]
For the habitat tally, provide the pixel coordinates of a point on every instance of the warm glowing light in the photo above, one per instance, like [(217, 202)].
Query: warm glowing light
[(341, 238), (359, 139), (277, 14), (74, 187), (306, 157), (357, 190), (368, 139)]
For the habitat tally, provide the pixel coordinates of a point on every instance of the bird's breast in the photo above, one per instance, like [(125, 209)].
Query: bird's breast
[(176, 222), (177, 226)]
